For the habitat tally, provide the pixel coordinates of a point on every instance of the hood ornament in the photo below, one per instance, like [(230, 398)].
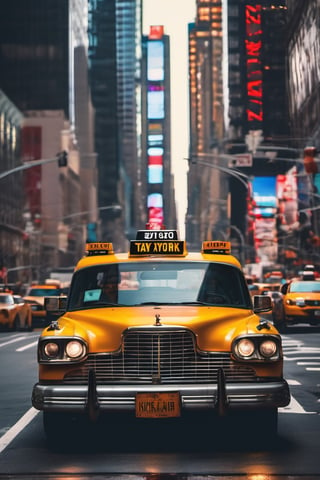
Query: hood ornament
[(158, 322), (54, 325)]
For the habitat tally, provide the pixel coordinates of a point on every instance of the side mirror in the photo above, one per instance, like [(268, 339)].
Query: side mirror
[(55, 306), (262, 303), (284, 288)]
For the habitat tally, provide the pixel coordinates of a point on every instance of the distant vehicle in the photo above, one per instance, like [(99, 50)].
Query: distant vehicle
[(15, 314), (308, 275), (277, 306), (301, 301), (25, 312), (309, 268), (35, 297)]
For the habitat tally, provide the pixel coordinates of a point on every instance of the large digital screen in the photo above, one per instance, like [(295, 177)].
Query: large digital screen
[(154, 140), (155, 200), (155, 174), (155, 128), (155, 60), (155, 151), (264, 191), (155, 104), (155, 217)]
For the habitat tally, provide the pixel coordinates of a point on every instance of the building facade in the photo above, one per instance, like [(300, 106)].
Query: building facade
[(114, 54), (207, 213), (303, 33), (12, 197)]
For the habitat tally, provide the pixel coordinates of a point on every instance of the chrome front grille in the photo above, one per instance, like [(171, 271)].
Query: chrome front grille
[(159, 356), (312, 303)]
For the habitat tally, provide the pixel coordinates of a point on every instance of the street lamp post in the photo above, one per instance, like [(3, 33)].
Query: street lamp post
[(242, 243), (234, 173), (61, 158)]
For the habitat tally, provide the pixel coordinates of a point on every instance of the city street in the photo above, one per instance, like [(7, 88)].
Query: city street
[(134, 451)]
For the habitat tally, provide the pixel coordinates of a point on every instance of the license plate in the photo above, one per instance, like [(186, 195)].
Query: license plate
[(317, 313), (157, 405)]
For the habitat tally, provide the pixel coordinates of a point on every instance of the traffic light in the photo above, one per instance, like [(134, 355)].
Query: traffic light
[(62, 158), (309, 160)]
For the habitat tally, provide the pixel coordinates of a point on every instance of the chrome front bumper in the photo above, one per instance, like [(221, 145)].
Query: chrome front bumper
[(107, 398)]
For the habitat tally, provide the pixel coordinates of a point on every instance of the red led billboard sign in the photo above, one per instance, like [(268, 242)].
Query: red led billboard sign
[(253, 45)]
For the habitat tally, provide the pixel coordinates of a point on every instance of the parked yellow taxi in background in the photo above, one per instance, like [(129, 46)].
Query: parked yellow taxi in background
[(301, 302), (158, 332), (25, 313), (15, 314)]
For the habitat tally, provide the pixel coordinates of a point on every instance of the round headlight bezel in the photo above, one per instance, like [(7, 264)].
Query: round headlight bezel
[(260, 353), (263, 348), (245, 348), (74, 349), (55, 350), (65, 351)]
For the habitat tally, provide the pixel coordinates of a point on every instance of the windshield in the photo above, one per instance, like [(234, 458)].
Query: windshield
[(305, 286), (6, 299), (159, 283), (43, 292)]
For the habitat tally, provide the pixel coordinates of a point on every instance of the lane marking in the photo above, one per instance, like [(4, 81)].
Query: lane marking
[(300, 358), (16, 339), (313, 369), (21, 349), (293, 382), (308, 363), (17, 428), (303, 349), (294, 407)]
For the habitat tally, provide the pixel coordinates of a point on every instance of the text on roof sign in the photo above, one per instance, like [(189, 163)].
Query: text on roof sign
[(167, 247)]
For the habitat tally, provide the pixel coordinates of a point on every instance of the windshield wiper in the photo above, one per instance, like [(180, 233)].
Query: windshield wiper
[(174, 303), (102, 304)]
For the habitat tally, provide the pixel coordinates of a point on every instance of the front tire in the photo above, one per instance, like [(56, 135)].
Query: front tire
[(16, 326)]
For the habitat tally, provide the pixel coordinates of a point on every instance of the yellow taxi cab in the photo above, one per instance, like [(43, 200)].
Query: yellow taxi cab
[(35, 296), (159, 332), (15, 314), (301, 302), (25, 313)]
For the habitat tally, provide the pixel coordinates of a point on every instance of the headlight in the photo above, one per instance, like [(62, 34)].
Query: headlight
[(268, 348), (74, 349), (245, 347), (51, 350), (257, 348), (61, 350)]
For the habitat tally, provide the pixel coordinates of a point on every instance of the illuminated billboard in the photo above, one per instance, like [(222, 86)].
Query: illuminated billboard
[(155, 174), (155, 200), (155, 104), (254, 73), (264, 196), (155, 125), (155, 60)]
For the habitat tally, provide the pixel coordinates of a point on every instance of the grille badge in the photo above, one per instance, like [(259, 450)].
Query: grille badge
[(158, 322)]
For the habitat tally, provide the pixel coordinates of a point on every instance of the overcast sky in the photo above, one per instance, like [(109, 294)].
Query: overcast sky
[(175, 16)]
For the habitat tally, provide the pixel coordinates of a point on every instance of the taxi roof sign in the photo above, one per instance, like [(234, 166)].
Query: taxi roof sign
[(157, 247), (99, 248), (157, 235), (216, 246)]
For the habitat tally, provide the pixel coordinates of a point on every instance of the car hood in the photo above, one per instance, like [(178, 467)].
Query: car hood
[(38, 300), (102, 328), (304, 295)]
